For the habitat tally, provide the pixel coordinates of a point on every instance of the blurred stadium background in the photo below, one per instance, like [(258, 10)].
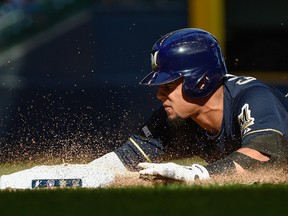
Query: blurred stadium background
[(69, 69)]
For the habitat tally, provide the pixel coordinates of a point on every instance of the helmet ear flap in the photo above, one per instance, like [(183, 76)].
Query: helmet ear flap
[(202, 88), (193, 85)]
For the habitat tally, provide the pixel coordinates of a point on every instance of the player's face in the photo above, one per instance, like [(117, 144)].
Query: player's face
[(174, 101)]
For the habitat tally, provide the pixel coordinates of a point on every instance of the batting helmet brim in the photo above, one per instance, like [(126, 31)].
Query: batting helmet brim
[(159, 78)]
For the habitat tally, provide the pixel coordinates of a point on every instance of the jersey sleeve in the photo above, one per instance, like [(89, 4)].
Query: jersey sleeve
[(259, 111), (263, 122), (261, 118)]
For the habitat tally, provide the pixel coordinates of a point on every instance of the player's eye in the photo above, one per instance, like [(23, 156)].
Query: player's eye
[(169, 86)]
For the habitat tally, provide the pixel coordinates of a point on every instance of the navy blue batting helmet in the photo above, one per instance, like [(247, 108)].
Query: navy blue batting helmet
[(193, 54)]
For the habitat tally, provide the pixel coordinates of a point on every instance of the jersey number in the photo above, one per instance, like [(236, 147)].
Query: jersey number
[(242, 80)]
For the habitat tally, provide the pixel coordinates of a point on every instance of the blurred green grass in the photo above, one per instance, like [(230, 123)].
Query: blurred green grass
[(160, 200)]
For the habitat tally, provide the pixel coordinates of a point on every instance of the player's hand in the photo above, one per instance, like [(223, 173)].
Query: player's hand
[(174, 171)]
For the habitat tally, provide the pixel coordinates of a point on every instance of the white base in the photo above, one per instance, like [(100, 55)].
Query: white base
[(92, 176)]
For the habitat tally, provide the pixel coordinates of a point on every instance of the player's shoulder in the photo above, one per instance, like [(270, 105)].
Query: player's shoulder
[(243, 90), (239, 85)]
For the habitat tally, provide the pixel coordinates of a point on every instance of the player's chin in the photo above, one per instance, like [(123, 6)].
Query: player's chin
[(172, 117), (175, 120)]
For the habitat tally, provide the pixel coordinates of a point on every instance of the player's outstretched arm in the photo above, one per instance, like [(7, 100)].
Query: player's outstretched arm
[(237, 162)]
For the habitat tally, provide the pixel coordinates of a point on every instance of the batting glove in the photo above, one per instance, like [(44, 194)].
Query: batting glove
[(174, 171)]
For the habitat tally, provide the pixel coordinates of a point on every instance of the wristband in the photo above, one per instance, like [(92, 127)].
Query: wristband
[(223, 166)]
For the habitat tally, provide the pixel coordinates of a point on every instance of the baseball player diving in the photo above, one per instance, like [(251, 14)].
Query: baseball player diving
[(235, 123)]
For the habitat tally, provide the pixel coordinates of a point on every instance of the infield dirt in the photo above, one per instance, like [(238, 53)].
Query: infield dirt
[(279, 176)]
